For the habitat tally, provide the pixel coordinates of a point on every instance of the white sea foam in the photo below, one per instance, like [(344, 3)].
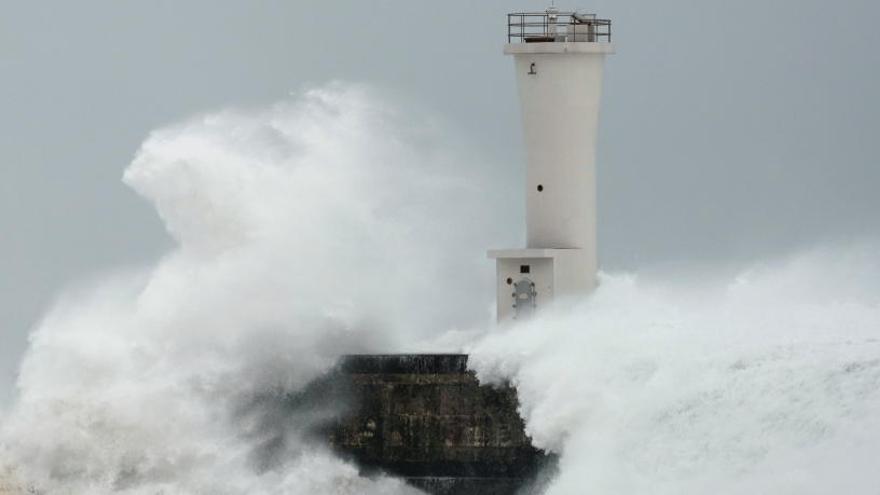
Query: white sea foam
[(768, 383), (336, 223), (327, 224)]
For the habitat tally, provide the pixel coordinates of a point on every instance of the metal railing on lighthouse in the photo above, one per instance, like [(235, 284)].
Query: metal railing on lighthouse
[(557, 27)]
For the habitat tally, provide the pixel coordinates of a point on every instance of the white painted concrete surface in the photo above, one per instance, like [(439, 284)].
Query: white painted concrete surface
[(557, 273), (560, 87)]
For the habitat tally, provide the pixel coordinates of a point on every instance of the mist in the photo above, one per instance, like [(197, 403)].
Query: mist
[(764, 382), (340, 221), (326, 224)]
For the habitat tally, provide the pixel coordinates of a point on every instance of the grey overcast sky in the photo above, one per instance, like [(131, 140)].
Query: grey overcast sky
[(731, 130)]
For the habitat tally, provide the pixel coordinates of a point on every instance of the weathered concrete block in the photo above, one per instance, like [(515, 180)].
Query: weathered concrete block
[(426, 418)]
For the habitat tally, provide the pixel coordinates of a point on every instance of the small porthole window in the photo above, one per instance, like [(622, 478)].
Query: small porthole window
[(540, 187), (509, 280)]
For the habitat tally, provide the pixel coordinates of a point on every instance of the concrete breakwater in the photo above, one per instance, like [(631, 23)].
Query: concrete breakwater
[(423, 418), (426, 418)]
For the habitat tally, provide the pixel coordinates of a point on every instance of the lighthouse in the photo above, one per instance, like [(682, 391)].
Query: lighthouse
[(558, 60)]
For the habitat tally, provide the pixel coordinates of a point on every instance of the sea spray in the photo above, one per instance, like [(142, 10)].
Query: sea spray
[(335, 223), (327, 224), (768, 382)]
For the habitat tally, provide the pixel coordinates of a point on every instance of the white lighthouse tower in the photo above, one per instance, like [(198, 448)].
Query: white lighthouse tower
[(559, 57)]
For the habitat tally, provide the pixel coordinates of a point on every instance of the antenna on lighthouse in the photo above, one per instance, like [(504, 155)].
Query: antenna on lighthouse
[(559, 59)]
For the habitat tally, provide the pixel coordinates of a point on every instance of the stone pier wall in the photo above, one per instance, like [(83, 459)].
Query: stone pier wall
[(426, 418)]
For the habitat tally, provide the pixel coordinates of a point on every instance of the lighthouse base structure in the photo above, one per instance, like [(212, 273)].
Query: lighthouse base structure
[(527, 279), (426, 418)]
